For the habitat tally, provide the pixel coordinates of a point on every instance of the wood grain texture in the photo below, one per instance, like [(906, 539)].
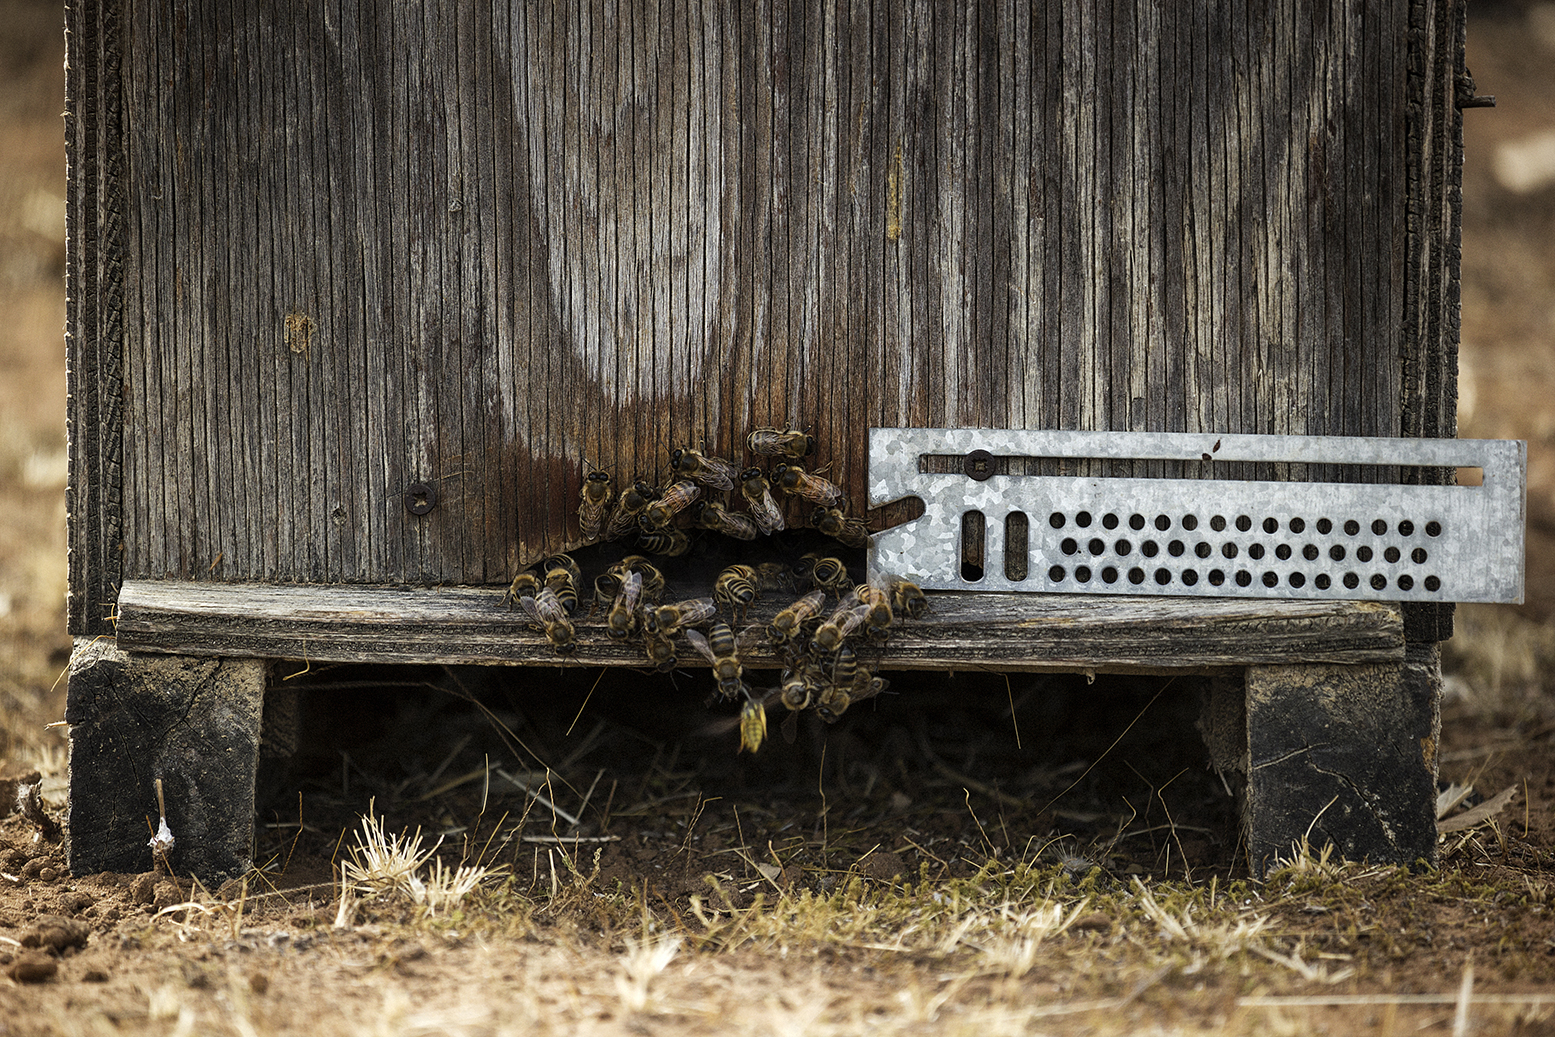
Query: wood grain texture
[(962, 631), (369, 245)]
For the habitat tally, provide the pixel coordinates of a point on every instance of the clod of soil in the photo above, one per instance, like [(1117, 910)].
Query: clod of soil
[(33, 967)]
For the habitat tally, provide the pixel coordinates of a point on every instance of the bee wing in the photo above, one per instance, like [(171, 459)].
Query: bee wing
[(701, 644), (530, 608)]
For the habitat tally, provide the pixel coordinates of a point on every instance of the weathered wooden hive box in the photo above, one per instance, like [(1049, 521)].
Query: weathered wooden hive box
[(359, 291)]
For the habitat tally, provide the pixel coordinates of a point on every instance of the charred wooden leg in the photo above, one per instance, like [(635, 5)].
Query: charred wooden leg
[(1344, 755), (192, 722)]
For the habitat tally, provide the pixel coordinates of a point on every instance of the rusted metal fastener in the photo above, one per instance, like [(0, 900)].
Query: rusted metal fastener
[(420, 498)]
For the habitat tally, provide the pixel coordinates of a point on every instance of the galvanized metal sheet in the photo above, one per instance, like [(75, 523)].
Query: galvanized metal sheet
[(1201, 535)]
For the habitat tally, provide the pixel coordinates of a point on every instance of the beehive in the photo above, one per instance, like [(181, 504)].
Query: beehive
[(331, 264)]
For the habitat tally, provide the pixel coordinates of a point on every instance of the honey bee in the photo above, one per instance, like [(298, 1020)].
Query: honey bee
[(629, 508), (525, 584), (548, 613), (675, 499), (595, 506), (736, 589), (829, 636), (831, 521), (653, 580), (829, 574), (798, 686), (907, 597), (773, 442), (660, 652), (621, 620), (719, 649), (773, 576), (787, 625), (671, 543), (709, 514), (837, 696), (668, 620), (758, 498), (877, 623), (753, 725), (562, 578), (796, 482), (709, 471)]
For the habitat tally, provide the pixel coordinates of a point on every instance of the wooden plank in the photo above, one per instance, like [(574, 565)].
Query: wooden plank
[(995, 631)]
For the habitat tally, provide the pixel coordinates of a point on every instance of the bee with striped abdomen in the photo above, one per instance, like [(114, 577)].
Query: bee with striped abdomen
[(758, 498), (775, 442), (788, 625), (677, 497), (621, 620), (848, 617), (668, 620), (796, 482), (834, 523), (718, 647), (594, 510), (708, 471), (709, 514), (547, 612), (629, 508), (827, 573), (735, 589), (525, 585)]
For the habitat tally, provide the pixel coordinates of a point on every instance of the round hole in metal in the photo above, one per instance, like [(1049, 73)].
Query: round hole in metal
[(1352, 581), (1379, 582), (1068, 546), (1096, 546), (1282, 551), (1175, 548), (1202, 549), (1109, 575), (1324, 526), (1271, 525), (1163, 523), (1255, 552), (1217, 523), (1109, 521), (1391, 554), (1149, 549), (1363, 553), (1418, 556), (1379, 527), (1322, 582), (1123, 547), (1271, 579), (1296, 580), (1406, 582), (1244, 578), (1190, 522), (1229, 550), (1056, 574), (1136, 576), (1056, 520), (1136, 522), (1352, 527), (1406, 528), (1310, 552), (1433, 528), (1336, 552), (1216, 577), (1298, 525), (1432, 583), (1163, 577), (1083, 573), (1082, 519), (1244, 523), (1189, 577)]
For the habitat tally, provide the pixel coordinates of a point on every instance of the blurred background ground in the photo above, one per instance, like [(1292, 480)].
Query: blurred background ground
[(1499, 706)]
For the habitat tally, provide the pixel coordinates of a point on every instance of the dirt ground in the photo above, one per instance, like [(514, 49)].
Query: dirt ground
[(1033, 855)]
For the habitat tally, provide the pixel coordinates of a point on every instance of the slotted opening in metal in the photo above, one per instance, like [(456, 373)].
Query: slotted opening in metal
[(1017, 546), (973, 537)]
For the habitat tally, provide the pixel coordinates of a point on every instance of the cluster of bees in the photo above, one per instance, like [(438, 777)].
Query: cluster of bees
[(816, 645)]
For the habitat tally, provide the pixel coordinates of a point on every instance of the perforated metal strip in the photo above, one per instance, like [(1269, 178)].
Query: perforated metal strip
[(1200, 535)]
